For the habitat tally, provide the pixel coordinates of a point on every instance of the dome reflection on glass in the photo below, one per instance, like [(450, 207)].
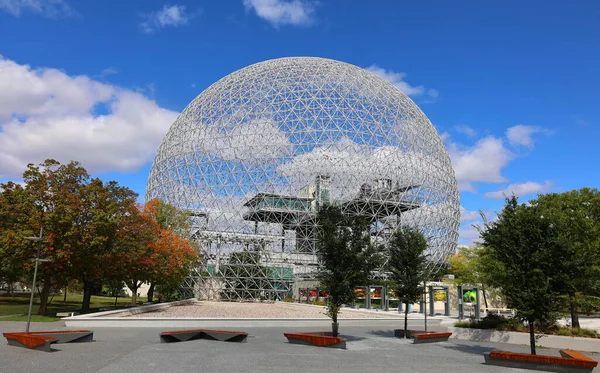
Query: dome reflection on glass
[(254, 156)]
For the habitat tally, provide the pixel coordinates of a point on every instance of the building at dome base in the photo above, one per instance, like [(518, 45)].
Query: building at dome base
[(254, 156)]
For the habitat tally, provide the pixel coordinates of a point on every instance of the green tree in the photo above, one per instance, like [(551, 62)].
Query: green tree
[(247, 278), (15, 252), (346, 255), (102, 210), (53, 199), (407, 266), (466, 265), (518, 249), (575, 217)]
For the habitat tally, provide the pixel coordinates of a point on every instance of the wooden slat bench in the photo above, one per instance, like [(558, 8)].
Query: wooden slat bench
[(32, 341), (68, 336), (321, 339), (193, 334), (569, 361), (422, 336), (41, 340)]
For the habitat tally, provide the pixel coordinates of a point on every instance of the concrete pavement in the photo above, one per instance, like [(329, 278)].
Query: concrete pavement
[(370, 349)]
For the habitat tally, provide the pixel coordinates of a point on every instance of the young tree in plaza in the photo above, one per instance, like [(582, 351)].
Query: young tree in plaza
[(346, 255), (519, 258), (407, 265)]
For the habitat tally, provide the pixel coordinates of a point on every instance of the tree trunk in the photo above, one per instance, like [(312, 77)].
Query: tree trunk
[(134, 288), (574, 313), (405, 319), (334, 324), (484, 297), (45, 294), (65, 296), (151, 292), (87, 296), (531, 337)]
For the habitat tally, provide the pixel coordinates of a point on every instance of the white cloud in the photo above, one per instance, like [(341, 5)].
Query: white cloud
[(521, 134), (283, 12), (169, 15), (46, 8), (433, 93), (45, 113), (468, 235), (350, 164), (580, 121), (519, 190), (482, 162), (253, 141), (397, 79), (466, 215), (465, 130), (106, 72)]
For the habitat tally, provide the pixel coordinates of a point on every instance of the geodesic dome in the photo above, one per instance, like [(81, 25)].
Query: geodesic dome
[(254, 156)]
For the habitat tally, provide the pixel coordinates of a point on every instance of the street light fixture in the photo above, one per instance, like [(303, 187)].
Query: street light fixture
[(37, 260)]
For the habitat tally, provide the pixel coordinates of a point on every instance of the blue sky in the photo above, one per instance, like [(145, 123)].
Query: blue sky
[(512, 86)]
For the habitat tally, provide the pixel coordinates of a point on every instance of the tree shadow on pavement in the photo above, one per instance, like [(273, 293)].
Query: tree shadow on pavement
[(382, 333), (469, 349)]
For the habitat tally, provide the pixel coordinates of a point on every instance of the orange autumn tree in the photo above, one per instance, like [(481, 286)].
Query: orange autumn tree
[(173, 254), (150, 253)]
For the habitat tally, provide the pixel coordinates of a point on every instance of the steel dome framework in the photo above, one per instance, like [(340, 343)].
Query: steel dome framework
[(254, 156)]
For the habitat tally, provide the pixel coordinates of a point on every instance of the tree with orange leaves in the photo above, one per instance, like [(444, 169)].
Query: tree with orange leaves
[(174, 254), (150, 251)]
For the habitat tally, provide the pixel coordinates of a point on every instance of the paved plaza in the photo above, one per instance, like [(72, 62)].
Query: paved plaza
[(370, 349)]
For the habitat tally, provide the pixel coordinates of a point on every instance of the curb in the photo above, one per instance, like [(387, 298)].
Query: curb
[(548, 341), (162, 322)]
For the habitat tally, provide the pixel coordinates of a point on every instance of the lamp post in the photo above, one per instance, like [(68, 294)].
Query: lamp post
[(37, 259)]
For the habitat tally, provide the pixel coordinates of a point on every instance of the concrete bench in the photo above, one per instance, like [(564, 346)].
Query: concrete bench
[(43, 339), (321, 339), (66, 314), (422, 336), (569, 362), (32, 341), (193, 334)]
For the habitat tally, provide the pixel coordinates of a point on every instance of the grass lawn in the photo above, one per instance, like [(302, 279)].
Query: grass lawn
[(34, 318), (19, 304)]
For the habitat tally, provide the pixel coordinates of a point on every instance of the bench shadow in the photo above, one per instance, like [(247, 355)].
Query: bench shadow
[(383, 333)]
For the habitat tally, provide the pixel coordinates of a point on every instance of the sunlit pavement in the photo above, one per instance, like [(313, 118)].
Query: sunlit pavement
[(139, 350)]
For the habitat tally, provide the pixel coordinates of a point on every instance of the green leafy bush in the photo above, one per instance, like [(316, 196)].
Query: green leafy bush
[(515, 325), (492, 322), (576, 332)]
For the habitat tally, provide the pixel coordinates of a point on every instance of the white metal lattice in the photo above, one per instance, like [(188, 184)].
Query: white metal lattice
[(254, 155)]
